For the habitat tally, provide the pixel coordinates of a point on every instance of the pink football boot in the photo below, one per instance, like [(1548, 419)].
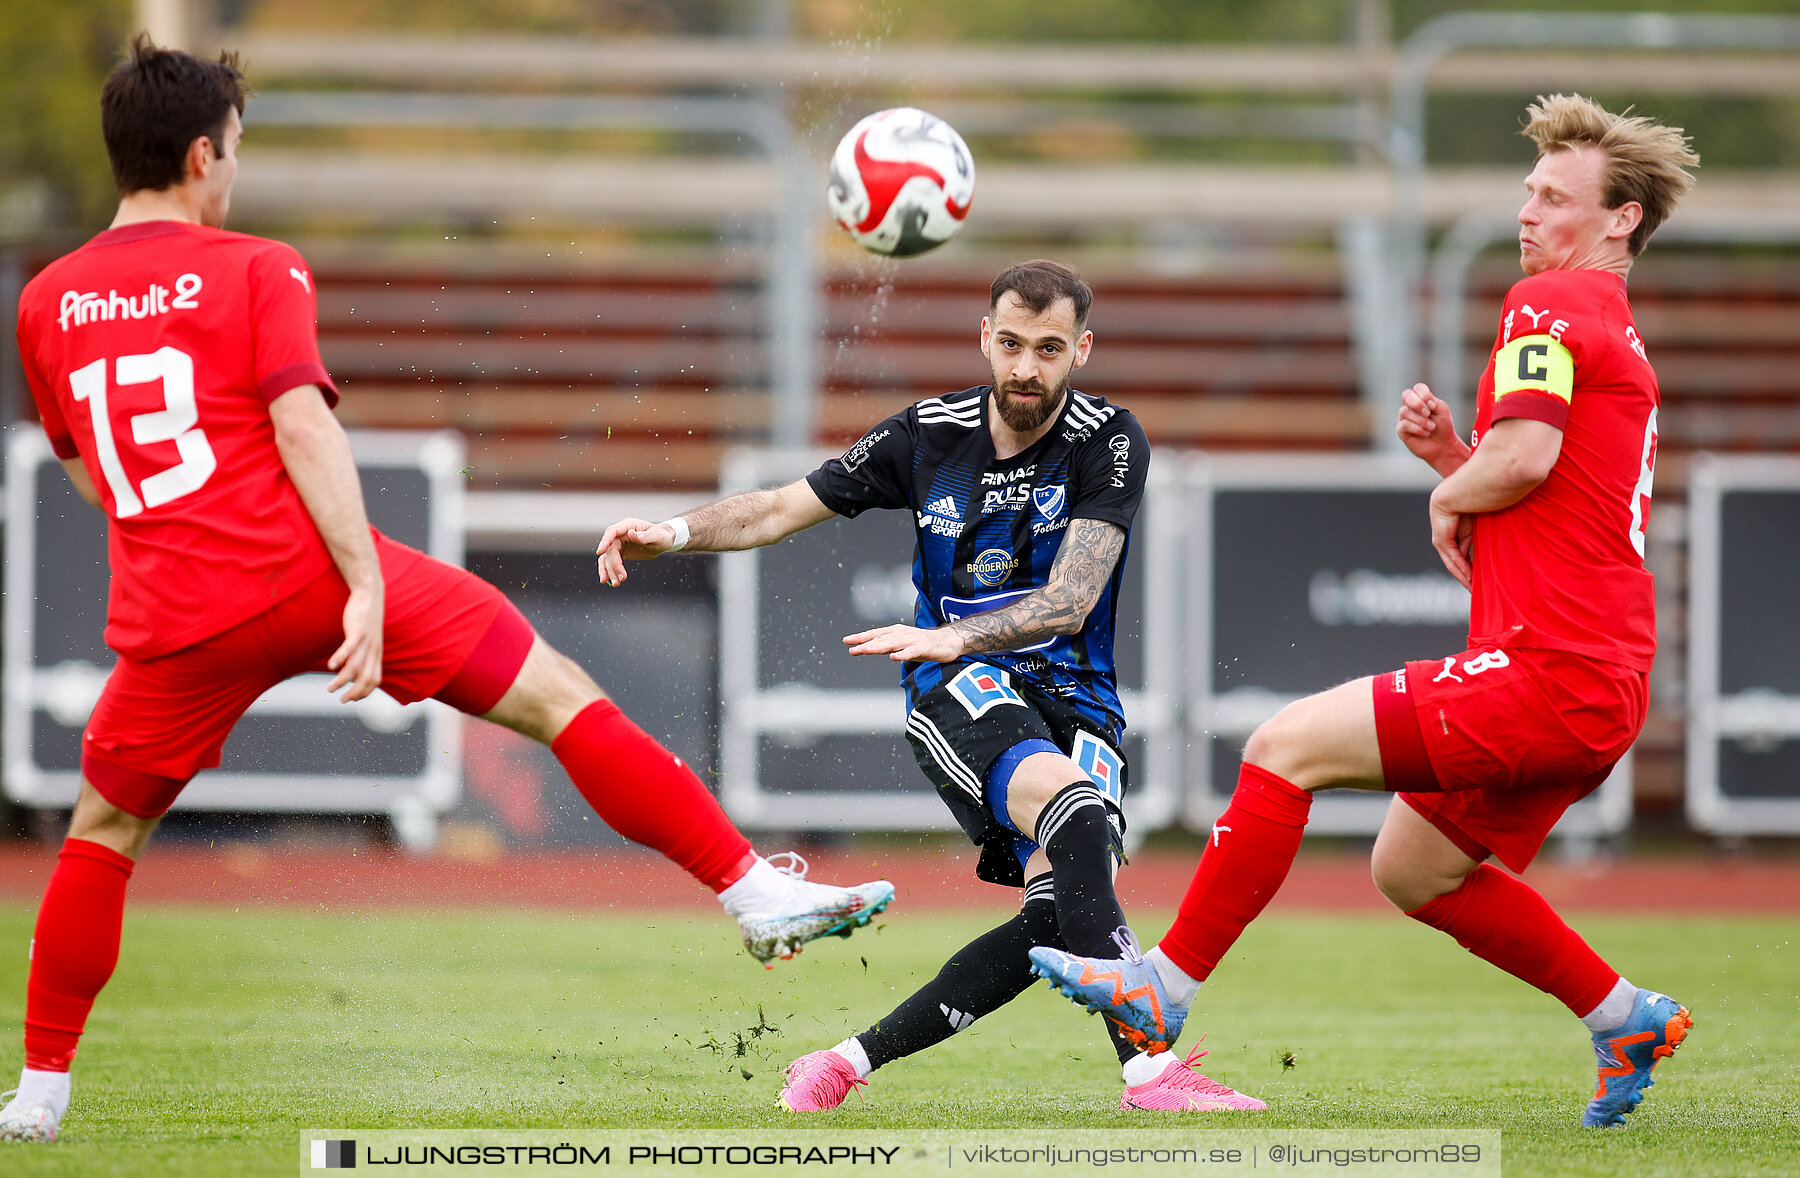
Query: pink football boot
[(1181, 1088)]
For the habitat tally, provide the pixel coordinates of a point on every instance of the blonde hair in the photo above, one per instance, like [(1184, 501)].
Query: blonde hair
[(1645, 161)]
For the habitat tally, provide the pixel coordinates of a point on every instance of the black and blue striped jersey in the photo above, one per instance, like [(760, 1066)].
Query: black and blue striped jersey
[(989, 529)]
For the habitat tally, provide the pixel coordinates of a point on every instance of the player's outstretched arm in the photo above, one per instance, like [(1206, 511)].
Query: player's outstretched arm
[(84, 486), (1426, 429), (1085, 562), (749, 520), (317, 457)]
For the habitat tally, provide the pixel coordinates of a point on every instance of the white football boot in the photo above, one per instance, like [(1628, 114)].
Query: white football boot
[(778, 909), (27, 1120)]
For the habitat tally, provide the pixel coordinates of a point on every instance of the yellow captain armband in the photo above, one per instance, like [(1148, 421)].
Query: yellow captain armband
[(1536, 363)]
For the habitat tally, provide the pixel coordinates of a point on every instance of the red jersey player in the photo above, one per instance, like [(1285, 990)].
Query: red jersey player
[(1543, 518), (177, 374)]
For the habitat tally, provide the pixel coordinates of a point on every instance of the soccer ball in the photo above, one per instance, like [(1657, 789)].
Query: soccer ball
[(901, 182)]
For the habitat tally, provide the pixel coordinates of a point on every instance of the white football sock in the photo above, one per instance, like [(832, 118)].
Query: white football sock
[(757, 891), (852, 1050), (1613, 1010), (1142, 1068), (1180, 986), (51, 1088)]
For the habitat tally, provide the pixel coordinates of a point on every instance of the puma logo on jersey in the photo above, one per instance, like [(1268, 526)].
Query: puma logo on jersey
[(301, 278), (1535, 315)]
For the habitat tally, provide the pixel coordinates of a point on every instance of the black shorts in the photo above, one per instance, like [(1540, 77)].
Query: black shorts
[(963, 725)]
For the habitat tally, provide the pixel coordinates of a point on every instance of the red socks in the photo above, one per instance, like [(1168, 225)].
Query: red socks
[(643, 791), (1248, 854), (1502, 920), (73, 951)]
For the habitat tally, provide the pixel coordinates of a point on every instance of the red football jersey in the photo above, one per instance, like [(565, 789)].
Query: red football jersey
[(1563, 568), (153, 352)]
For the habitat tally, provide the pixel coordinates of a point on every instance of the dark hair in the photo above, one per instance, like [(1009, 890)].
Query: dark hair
[(1040, 283), (156, 103)]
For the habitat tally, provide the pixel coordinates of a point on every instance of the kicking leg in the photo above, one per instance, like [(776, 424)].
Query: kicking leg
[(650, 796), (642, 790), (74, 948)]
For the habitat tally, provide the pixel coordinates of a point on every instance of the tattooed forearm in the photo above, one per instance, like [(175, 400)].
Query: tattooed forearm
[(1090, 550)]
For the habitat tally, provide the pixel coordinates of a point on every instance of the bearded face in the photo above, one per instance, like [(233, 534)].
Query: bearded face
[(1026, 405), (1032, 356)]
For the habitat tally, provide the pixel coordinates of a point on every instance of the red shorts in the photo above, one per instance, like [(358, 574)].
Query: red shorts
[(447, 633), (1491, 746)]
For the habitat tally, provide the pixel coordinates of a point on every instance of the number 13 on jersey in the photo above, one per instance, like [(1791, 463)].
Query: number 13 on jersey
[(178, 421)]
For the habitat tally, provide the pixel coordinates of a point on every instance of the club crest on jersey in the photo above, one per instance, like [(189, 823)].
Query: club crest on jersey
[(980, 689), (1049, 500), (993, 566), (1096, 758)]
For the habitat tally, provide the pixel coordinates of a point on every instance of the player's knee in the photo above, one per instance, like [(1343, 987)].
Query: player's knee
[(1407, 885), (1038, 779), (551, 688), (1272, 746), (569, 678), (97, 820), (1301, 745), (563, 688), (1392, 883)]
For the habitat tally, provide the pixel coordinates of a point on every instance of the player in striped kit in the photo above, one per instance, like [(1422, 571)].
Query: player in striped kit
[(1022, 492)]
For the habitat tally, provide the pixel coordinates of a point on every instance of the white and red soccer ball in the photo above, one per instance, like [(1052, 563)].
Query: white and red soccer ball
[(901, 182)]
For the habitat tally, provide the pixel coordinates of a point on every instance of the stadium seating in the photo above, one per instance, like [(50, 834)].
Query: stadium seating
[(641, 376)]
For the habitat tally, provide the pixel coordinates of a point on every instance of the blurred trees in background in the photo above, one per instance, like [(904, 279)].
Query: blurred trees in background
[(54, 54)]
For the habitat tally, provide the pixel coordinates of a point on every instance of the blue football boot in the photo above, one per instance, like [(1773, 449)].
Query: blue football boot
[(1126, 990), (1656, 1027)]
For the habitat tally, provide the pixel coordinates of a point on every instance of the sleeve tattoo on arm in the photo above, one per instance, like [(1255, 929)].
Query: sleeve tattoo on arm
[(1089, 552)]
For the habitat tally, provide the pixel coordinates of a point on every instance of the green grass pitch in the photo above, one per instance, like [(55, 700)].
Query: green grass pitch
[(225, 1033)]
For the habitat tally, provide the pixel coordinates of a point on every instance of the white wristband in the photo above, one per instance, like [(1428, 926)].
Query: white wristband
[(679, 524)]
